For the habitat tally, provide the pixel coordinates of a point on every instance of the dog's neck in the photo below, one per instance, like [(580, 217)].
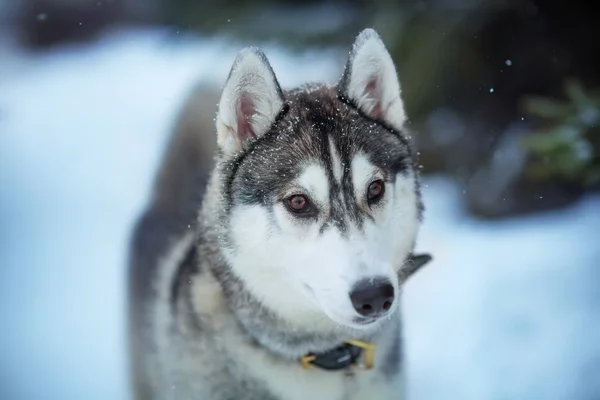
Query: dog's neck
[(283, 336)]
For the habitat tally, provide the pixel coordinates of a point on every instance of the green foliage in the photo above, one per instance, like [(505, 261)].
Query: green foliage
[(568, 144)]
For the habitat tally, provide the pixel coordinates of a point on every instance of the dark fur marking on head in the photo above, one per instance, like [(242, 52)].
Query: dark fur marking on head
[(402, 164), (351, 103), (231, 167)]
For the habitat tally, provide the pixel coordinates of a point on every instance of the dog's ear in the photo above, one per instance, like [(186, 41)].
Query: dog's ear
[(370, 80), (413, 263), (250, 102)]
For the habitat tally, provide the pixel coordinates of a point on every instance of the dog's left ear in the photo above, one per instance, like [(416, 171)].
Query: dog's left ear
[(413, 263), (370, 80)]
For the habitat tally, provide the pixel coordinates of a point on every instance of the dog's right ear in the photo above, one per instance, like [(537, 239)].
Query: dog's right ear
[(250, 102)]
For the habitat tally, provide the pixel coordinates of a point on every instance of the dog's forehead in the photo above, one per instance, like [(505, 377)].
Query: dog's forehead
[(317, 121), (320, 138)]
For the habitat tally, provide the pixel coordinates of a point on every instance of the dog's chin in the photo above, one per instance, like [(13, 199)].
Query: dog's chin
[(357, 322)]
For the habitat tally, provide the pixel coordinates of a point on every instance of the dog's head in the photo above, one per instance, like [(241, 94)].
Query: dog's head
[(319, 186)]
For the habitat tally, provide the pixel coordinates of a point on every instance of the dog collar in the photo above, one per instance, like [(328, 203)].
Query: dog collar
[(342, 357)]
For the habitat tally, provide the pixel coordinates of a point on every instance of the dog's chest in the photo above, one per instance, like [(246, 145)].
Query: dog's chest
[(297, 383), (227, 365)]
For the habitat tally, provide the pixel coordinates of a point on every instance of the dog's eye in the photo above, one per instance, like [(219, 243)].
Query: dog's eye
[(375, 191), (298, 204)]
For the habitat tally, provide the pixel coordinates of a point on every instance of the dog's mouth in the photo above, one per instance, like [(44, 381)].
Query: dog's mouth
[(365, 321)]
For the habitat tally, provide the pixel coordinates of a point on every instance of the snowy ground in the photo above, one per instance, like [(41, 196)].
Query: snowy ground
[(508, 310)]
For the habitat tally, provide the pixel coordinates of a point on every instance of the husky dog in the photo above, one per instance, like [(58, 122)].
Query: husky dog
[(279, 275)]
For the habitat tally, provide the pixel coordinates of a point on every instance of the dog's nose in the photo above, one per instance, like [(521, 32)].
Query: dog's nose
[(371, 297)]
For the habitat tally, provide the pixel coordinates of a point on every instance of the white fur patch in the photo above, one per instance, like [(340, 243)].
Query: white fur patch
[(373, 83), (403, 220), (269, 266), (314, 179), (363, 173), (303, 275)]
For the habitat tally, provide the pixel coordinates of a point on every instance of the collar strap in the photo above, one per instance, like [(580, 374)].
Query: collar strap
[(342, 357)]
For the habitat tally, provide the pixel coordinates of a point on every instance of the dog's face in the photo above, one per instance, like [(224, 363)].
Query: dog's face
[(320, 187)]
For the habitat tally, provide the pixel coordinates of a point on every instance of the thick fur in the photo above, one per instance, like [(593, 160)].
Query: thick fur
[(228, 294)]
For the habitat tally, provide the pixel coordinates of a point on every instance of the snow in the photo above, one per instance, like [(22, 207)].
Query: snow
[(508, 310)]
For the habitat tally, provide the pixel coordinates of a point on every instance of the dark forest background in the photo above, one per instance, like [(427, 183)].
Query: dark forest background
[(503, 95)]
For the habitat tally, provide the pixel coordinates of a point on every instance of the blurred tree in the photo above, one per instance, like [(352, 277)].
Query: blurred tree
[(568, 145)]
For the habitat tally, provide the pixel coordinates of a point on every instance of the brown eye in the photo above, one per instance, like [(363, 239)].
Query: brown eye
[(375, 191), (298, 203)]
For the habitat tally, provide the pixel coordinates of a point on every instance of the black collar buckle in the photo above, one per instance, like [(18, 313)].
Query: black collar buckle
[(342, 357)]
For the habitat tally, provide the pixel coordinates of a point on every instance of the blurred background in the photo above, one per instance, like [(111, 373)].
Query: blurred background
[(504, 103)]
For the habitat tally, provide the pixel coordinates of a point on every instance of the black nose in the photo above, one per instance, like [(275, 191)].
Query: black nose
[(371, 297)]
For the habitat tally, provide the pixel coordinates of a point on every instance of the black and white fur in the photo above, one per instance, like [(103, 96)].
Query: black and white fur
[(228, 292)]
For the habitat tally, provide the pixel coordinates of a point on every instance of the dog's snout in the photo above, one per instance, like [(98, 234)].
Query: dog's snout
[(372, 297)]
